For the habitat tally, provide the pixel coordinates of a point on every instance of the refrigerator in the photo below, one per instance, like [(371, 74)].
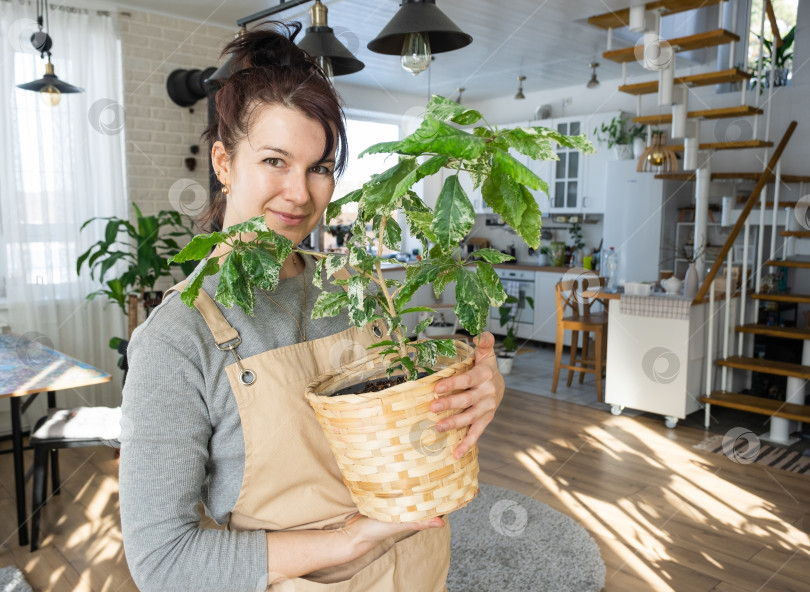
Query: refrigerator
[(634, 208)]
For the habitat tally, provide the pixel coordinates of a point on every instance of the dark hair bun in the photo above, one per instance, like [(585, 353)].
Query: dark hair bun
[(271, 45)]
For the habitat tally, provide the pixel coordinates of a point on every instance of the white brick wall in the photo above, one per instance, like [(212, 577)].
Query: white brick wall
[(159, 132)]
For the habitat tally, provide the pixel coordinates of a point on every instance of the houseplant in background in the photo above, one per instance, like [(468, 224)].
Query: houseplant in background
[(782, 59), (256, 255), (617, 135), (509, 313), (146, 249)]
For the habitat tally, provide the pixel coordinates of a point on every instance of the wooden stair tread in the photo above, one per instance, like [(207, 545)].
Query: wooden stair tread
[(795, 233), (721, 113), (621, 18), (774, 331), (759, 405), (800, 261), (797, 298), (766, 366), (742, 144), (689, 43), (704, 79), (690, 176)]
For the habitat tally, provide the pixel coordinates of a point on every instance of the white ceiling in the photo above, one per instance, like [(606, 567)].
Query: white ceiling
[(548, 41)]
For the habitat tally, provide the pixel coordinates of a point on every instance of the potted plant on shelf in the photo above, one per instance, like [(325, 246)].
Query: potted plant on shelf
[(510, 312), (146, 247), (618, 136), (257, 253), (781, 58)]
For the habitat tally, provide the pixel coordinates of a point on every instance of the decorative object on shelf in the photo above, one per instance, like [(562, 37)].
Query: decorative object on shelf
[(691, 282), (658, 157), (320, 42), (543, 256), (782, 59), (49, 87), (519, 94), (418, 30), (593, 82), (577, 244), (617, 135), (672, 285)]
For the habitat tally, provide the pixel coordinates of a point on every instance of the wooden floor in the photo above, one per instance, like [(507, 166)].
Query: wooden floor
[(666, 516)]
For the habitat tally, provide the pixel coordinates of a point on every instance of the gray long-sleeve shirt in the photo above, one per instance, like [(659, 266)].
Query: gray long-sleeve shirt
[(182, 441)]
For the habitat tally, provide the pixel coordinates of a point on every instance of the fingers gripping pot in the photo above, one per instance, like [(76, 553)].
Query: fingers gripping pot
[(397, 467)]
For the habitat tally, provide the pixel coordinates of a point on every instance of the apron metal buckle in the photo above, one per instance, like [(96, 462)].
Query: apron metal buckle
[(246, 376)]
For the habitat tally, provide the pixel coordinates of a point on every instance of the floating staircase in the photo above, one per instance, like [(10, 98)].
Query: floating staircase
[(802, 262), (704, 79), (621, 18), (690, 43), (721, 113)]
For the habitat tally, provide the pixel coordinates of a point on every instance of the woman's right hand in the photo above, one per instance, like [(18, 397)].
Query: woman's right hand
[(363, 533)]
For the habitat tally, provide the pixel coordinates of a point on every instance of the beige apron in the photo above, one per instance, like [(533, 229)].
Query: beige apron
[(291, 479)]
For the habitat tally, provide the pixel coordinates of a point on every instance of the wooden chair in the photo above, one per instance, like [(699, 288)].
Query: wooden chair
[(570, 318)]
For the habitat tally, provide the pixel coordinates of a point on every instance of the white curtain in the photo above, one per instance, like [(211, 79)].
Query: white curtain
[(60, 166)]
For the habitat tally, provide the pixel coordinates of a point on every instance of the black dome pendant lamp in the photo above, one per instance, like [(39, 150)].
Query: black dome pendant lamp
[(320, 42), (418, 30), (49, 87)]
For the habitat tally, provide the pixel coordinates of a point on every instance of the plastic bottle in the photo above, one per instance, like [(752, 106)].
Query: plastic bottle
[(611, 267)]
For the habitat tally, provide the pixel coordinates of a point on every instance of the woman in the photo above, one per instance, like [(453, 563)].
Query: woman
[(254, 454)]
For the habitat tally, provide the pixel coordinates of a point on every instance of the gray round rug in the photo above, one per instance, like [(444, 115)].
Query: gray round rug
[(12, 580), (507, 541)]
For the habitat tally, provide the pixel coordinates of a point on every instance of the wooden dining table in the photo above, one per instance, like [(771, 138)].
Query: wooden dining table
[(29, 367)]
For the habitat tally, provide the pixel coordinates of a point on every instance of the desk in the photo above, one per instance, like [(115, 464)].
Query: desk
[(28, 368)]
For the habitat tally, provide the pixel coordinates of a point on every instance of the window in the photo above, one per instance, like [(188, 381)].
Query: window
[(362, 134), (785, 11), (566, 176)]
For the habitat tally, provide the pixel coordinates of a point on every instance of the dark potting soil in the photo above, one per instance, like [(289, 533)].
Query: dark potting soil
[(373, 386)]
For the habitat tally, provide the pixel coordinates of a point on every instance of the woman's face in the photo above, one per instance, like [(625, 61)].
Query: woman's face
[(277, 171)]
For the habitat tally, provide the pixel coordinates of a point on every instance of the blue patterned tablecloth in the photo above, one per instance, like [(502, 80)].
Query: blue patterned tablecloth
[(27, 366)]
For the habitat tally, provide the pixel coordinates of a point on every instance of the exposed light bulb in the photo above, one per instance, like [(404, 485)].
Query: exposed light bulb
[(416, 53), (326, 65), (50, 96)]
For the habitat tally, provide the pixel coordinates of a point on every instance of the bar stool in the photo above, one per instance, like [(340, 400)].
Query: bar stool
[(567, 300)]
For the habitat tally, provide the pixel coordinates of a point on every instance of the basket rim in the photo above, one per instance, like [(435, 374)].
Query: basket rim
[(407, 385)]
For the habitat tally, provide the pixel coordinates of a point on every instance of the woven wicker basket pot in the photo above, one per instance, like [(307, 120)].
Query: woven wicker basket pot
[(397, 467)]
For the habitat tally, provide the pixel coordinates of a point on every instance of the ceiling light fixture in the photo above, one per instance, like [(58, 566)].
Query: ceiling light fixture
[(320, 42), (593, 82), (519, 94), (658, 157), (418, 30), (49, 87), (460, 92)]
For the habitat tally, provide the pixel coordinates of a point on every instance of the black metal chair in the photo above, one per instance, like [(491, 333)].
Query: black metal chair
[(69, 428)]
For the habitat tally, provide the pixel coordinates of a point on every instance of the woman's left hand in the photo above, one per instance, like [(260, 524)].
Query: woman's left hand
[(479, 392)]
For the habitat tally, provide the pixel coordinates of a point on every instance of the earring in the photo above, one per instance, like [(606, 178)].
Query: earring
[(225, 190)]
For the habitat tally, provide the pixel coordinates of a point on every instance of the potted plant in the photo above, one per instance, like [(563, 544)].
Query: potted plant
[(782, 58), (578, 244), (146, 248), (616, 135), (257, 253), (543, 257), (509, 314)]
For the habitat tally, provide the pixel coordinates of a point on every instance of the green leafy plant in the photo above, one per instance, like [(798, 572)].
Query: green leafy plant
[(505, 182), (781, 58), (576, 235), (616, 132), (509, 314), (146, 248)]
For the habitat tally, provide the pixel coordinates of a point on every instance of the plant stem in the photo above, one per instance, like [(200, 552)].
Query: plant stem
[(391, 308)]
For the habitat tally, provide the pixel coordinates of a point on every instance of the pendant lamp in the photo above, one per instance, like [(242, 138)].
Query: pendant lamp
[(49, 87), (593, 82), (320, 42), (658, 157), (519, 95), (418, 30)]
